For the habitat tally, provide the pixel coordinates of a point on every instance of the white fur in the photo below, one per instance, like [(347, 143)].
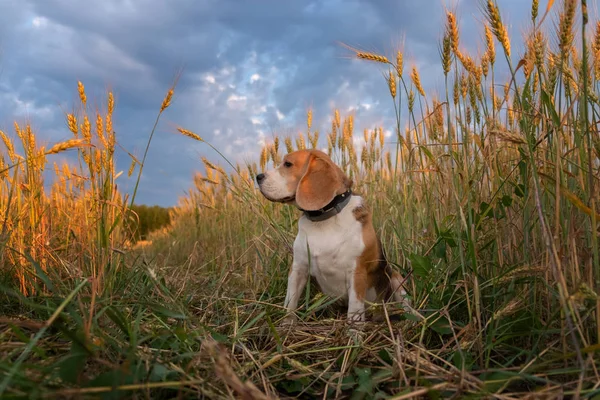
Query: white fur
[(329, 251), (274, 186)]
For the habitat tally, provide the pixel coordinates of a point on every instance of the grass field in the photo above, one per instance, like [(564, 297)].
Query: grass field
[(486, 195)]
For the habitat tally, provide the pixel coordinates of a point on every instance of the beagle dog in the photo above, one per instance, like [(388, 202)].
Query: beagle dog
[(336, 241)]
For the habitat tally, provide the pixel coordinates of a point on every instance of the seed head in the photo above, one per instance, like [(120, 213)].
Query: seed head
[(10, 148), (392, 84), (100, 129), (288, 144), (131, 167), (596, 52), (539, 48), (111, 103), (498, 28), (81, 90), (86, 130), (62, 146), (566, 23), (399, 63), (417, 81), (167, 100), (534, 9), (489, 40), (452, 31), (411, 100), (446, 55), (72, 123), (208, 165), (372, 57), (191, 134), (485, 64)]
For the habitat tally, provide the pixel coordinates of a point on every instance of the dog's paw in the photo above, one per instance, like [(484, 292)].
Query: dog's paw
[(289, 320), (356, 333), (356, 329)]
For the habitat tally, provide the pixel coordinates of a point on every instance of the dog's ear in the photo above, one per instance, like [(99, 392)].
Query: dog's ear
[(321, 182)]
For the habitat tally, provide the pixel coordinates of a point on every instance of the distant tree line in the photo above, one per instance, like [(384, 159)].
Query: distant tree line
[(149, 219)]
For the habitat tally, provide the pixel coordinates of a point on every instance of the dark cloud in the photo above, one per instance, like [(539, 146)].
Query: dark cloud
[(250, 69)]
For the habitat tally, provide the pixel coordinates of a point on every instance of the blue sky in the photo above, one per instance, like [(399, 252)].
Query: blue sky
[(250, 69)]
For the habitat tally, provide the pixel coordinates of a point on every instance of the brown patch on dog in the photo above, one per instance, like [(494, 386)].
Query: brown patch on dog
[(372, 270), (294, 172), (321, 182)]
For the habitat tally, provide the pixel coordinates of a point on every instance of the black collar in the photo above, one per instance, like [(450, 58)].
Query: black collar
[(333, 208)]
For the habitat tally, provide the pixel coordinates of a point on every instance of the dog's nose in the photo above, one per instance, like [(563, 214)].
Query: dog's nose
[(260, 178)]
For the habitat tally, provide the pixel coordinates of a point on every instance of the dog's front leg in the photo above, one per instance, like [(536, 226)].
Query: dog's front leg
[(296, 283), (357, 292)]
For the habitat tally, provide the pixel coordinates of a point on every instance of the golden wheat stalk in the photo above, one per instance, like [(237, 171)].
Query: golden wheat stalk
[(190, 134), (100, 130), (452, 30), (485, 64), (467, 62), (399, 63), (417, 80), (539, 48), (411, 100), (446, 54), (18, 131), (534, 9), (510, 308), (596, 52), (498, 28), (372, 57), (110, 103), (392, 84), (264, 157), (315, 140), (490, 46), (72, 124), (565, 26), (86, 129), (289, 147), (10, 148), (131, 167), (508, 136), (81, 90), (167, 100), (66, 145), (209, 166)]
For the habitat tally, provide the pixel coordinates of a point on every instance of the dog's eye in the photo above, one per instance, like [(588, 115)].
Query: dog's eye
[(287, 164)]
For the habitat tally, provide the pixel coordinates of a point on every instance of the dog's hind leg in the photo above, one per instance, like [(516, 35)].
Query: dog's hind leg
[(398, 292)]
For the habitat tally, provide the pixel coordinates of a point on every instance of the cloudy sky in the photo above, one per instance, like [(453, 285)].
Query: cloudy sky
[(250, 69)]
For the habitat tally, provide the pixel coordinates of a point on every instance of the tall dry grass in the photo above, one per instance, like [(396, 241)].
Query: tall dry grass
[(485, 194)]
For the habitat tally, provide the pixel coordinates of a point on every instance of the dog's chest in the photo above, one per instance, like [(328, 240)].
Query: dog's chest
[(331, 248)]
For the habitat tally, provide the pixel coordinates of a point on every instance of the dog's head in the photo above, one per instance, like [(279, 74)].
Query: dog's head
[(307, 178)]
